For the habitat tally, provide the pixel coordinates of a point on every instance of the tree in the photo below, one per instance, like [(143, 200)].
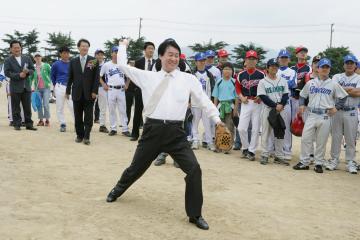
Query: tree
[(336, 55), (29, 42), (55, 41), (240, 52), (134, 50), (202, 47)]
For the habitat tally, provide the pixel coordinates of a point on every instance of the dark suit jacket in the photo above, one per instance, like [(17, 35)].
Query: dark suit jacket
[(12, 70), (140, 63), (79, 82)]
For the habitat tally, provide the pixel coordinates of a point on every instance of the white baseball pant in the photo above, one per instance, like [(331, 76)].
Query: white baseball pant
[(61, 100), (117, 101), (103, 104), (198, 114)]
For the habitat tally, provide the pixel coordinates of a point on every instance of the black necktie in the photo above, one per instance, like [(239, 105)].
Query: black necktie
[(149, 65)]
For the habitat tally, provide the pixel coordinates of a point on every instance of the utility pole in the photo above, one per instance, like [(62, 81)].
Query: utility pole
[(140, 27), (331, 33)]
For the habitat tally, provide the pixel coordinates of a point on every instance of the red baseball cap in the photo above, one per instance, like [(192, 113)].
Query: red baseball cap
[(223, 53), (301, 48), (182, 56), (251, 53)]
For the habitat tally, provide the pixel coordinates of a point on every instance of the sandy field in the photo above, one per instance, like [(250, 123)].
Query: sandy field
[(53, 188)]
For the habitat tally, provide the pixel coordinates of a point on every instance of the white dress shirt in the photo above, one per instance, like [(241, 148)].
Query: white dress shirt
[(174, 102), (18, 59)]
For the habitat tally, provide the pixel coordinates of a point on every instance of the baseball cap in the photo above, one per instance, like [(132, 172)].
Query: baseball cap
[(210, 53), (182, 56), (251, 53), (316, 58), (114, 49), (301, 48), (358, 64), (272, 62), (37, 54), (223, 53), (200, 56), (351, 58), (284, 53), (99, 51), (323, 62)]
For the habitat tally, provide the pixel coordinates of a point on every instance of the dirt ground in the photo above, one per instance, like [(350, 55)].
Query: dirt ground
[(52, 188)]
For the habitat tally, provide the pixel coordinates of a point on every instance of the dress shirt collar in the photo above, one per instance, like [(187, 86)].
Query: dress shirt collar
[(172, 74)]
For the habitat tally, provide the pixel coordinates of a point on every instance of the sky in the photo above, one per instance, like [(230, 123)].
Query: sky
[(270, 24)]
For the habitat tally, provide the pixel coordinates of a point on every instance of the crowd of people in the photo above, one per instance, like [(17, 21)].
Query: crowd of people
[(244, 100)]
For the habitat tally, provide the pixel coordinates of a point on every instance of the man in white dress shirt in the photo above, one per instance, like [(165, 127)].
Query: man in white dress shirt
[(166, 95)]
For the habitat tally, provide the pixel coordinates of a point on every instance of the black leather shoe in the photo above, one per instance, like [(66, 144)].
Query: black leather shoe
[(86, 141), (31, 128), (17, 128), (112, 133), (199, 222), (300, 166), (134, 139), (318, 169), (103, 129), (126, 134), (112, 196), (78, 139)]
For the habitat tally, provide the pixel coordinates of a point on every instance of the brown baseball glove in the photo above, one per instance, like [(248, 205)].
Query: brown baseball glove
[(223, 138)]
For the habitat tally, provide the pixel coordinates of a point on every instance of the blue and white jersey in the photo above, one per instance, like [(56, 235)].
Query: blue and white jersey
[(349, 81), (289, 75), (2, 74), (112, 74), (215, 72), (204, 80), (322, 94)]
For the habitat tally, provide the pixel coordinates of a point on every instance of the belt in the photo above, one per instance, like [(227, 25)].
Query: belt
[(346, 109), (162, 121), (318, 111), (251, 97), (117, 87)]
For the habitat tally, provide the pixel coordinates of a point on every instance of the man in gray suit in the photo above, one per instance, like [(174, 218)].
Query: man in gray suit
[(18, 68)]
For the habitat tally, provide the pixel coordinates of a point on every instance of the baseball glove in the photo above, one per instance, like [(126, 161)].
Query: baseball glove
[(223, 138)]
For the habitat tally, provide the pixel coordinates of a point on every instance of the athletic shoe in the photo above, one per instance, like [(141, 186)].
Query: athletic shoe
[(112, 133), (126, 134), (195, 145), (300, 166), (204, 144), (352, 168), (250, 156), (331, 165), (318, 169), (244, 153), (161, 159), (41, 123), (211, 147), (281, 161), (264, 160), (62, 128), (47, 123), (312, 159), (103, 129)]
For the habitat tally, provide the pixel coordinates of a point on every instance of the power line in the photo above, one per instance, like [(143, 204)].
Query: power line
[(70, 19)]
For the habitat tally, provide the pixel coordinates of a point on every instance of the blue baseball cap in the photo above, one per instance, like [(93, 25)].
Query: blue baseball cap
[(272, 62), (284, 53), (114, 49), (358, 64), (200, 56), (210, 53), (323, 62), (351, 58), (99, 51)]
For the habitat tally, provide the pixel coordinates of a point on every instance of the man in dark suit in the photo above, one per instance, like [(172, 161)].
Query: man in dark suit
[(134, 92), (83, 83), (18, 68)]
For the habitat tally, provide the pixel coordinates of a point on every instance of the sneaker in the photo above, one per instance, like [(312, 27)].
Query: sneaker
[(282, 161), (47, 123), (237, 147), (112, 133), (211, 147), (195, 145), (264, 160), (318, 169), (251, 156), (204, 144), (62, 128), (103, 129), (161, 159), (300, 166), (244, 153), (126, 134), (41, 123), (312, 159), (331, 165), (352, 168)]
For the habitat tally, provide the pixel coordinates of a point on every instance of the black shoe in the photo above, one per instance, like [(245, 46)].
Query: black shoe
[(251, 156), (126, 134), (23, 124), (244, 153), (281, 161), (204, 144), (318, 169), (160, 160), (78, 139), (11, 124), (134, 138), (17, 128), (103, 129), (300, 166), (199, 222), (112, 196), (86, 141), (236, 147), (31, 128), (62, 128), (112, 133)]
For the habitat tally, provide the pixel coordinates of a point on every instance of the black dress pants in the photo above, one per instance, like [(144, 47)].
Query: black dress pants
[(25, 99), (83, 113), (137, 121), (169, 138)]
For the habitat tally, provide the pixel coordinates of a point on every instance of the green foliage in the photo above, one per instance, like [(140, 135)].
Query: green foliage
[(240, 52), (134, 50), (336, 55), (55, 41), (202, 47)]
